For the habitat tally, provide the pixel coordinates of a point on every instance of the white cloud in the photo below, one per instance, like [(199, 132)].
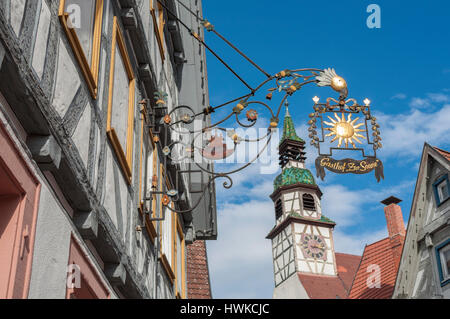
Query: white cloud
[(405, 134), (418, 102), (355, 243), (399, 96), (346, 207), (241, 259), (439, 97)]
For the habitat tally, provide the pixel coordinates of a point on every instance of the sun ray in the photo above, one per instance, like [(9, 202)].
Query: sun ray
[(358, 125), (359, 135), (332, 120), (340, 142), (354, 121), (353, 143), (337, 116), (356, 139), (328, 123)]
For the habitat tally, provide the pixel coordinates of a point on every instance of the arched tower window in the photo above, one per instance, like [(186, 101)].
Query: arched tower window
[(308, 202), (278, 209)]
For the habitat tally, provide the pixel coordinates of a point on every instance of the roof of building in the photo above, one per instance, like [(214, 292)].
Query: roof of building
[(198, 283), (322, 218), (289, 129), (380, 254), (443, 153), (330, 287), (293, 175)]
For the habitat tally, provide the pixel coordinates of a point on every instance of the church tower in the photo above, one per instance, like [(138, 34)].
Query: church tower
[(302, 239)]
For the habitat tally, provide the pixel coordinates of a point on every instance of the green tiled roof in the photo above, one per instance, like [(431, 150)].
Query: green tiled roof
[(322, 218), (289, 129), (293, 175)]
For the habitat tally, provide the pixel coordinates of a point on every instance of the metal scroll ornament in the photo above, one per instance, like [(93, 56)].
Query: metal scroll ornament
[(209, 141), (347, 126)]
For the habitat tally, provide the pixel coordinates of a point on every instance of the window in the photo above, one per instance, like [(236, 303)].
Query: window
[(167, 233), (86, 283), (157, 12), (308, 202), (146, 169), (443, 260), (278, 209), (441, 190), (179, 262), (120, 118), (82, 22), (19, 198)]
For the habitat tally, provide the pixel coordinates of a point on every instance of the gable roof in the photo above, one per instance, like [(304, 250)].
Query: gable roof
[(441, 157), (381, 254), (443, 153), (330, 287)]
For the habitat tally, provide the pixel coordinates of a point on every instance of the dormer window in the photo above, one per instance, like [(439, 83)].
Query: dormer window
[(308, 202), (278, 209), (441, 190)]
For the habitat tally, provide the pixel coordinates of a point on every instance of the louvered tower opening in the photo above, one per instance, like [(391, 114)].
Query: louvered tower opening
[(278, 209), (309, 202), (291, 150)]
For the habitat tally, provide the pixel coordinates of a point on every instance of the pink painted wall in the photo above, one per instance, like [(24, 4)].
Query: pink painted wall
[(19, 196), (91, 285)]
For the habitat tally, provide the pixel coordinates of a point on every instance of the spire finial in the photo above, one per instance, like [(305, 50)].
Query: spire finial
[(287, 108), (288, 127)]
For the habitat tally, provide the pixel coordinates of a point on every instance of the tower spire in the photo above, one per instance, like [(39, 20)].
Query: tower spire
[(289, 128), (291, 146)]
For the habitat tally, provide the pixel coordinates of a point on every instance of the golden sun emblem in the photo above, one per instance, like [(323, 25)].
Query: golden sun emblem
[(345, 130)]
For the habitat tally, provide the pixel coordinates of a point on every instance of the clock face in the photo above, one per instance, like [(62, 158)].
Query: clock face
[(313, 246)]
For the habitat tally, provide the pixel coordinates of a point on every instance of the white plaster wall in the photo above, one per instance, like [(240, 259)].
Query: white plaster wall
[(17, 12), (82, 134), (115, 200), (67, 81), (51, 250), (40, 48), (290, 289)]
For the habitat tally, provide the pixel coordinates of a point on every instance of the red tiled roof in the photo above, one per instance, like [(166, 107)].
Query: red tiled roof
[(443, 153), (380, 253), (330, 287), (198, 284)]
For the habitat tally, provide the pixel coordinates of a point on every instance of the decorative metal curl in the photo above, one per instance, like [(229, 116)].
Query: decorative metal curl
[(286, 82)]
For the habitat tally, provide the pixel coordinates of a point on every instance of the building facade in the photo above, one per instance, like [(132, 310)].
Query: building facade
[(81, 159), (424, 270)]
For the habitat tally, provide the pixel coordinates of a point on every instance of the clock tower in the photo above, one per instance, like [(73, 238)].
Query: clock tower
[(302, 239)]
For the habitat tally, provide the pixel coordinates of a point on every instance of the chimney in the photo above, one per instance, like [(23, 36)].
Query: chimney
[(395, 225)]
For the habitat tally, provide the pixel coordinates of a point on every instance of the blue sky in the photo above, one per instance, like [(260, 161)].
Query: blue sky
[(403, 68)]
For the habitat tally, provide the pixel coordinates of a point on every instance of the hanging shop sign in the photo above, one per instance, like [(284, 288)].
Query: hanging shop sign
[(349, 165), (346, 126)]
